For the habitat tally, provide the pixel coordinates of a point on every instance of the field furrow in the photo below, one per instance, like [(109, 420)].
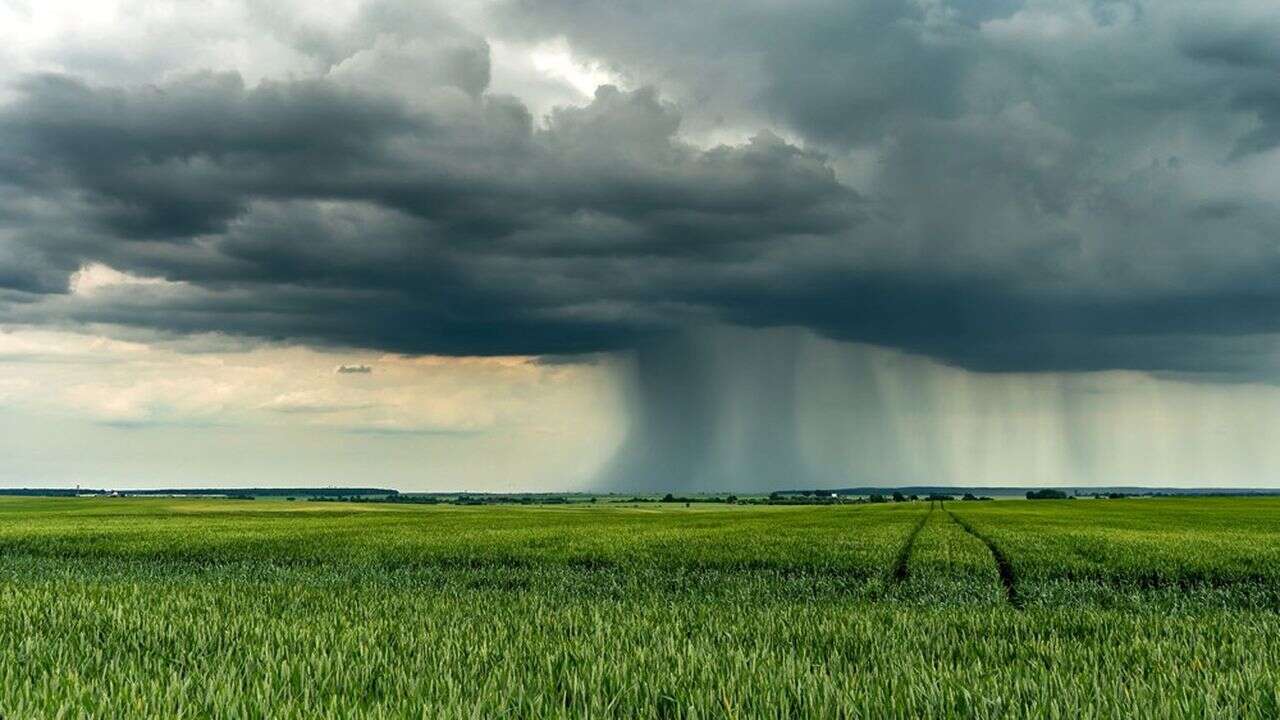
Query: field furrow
[(901, 564), (1003, 568), (948, 566)]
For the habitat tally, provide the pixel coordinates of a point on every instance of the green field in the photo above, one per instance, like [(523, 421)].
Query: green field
[(175, 608)]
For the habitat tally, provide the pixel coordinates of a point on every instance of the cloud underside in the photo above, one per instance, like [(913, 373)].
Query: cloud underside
[(1002, 186)]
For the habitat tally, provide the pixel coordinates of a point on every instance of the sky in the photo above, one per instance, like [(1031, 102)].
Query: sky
[(507, 245)]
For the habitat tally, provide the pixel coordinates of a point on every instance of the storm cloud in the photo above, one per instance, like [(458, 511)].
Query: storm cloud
[(734, 246), (1002, 186)]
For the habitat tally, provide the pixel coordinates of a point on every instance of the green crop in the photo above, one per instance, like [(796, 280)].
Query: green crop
[(1225, 550), (119, 608)]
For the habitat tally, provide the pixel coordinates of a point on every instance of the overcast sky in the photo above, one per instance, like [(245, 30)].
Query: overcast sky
[(563, 244)]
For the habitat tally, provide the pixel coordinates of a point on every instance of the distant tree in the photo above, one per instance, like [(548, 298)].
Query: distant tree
[(969, 496), (915, 497), (899, 497), (876, 498), (668, 498), (732, 499), (1046, 494)]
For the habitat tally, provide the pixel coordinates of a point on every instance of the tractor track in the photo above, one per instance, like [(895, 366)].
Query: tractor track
[(899, 572), (1002, 561)]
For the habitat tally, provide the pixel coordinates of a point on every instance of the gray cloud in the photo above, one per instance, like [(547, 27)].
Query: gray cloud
[(462, 232), (1039, 187)]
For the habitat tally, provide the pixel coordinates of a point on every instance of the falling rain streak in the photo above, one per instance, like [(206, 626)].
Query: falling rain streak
[(740, 409)]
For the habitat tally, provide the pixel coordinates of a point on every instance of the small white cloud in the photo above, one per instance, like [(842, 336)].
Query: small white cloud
[(314, 401), (353, 369), (94, 277)]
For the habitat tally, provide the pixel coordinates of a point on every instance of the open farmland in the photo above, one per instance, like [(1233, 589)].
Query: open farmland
[(189, 608)]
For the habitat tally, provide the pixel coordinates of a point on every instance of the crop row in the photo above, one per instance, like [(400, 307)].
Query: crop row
[(129, 640)]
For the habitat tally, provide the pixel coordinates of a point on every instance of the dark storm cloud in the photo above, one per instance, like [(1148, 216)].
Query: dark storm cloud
[(1051, 185), (184, 159), (311, 210), (1040, 186)]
